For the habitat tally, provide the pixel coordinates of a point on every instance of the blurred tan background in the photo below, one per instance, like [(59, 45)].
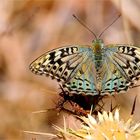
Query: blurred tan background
[(28, 28)]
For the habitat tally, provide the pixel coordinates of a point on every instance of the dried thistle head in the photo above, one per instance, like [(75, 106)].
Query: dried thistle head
[(107, 126)]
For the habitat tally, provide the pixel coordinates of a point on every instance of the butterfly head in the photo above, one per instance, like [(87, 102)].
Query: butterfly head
[(97, 45)]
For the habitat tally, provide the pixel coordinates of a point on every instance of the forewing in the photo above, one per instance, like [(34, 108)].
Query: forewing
[(62, 63), (122, 64)]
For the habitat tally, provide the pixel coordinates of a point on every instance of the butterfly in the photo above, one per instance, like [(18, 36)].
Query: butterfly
[(91, 70), (95, 69)]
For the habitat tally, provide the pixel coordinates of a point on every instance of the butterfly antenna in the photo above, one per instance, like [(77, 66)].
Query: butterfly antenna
[(84, 25), (109, 25)]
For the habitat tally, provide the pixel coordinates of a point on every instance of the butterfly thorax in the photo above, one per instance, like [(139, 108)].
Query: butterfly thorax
[(97, 45)]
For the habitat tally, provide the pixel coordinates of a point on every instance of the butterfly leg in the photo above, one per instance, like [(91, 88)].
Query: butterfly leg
[(113, 108), (64, 97), (80, 104), (75, 108), (60, 103), (79, 110)]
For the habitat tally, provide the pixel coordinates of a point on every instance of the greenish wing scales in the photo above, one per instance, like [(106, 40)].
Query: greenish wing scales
[(123, 65), (84, 80)]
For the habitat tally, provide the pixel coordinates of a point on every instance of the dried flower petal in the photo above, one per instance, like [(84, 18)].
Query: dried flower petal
[(107, 127)]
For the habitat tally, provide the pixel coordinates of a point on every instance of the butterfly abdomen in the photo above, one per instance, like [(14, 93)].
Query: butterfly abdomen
[(98, 59)]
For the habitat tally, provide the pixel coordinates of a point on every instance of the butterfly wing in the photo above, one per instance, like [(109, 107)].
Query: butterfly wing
[(63, 64), (84, 80), (122, 66)]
